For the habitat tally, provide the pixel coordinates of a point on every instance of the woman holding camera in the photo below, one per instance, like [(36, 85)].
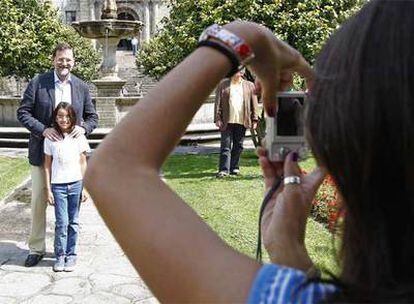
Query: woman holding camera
[(360, 126)]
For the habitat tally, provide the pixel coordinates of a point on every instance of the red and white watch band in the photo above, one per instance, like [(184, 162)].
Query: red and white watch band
[(241, 49)]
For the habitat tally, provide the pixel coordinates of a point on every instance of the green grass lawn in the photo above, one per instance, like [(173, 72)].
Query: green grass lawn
[(231, 205), (12, 172)]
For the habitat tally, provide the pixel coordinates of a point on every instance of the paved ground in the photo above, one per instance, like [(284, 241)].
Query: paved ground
[(103, 275)]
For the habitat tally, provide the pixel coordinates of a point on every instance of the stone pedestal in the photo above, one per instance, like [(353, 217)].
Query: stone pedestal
[(107, 111), (109, 87), (108, 91)]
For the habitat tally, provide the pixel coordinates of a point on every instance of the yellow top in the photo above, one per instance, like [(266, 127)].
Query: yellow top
[(236, 114)]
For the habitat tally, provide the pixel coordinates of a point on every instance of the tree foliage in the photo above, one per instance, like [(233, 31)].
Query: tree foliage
[(303, 24), (30, 29)]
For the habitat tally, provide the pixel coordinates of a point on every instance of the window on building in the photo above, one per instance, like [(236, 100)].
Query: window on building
[(70, 16)]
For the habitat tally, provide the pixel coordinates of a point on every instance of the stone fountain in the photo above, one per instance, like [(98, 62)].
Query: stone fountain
[(108, 31)]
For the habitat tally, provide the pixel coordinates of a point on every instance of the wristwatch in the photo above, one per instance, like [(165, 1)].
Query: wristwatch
[(234, 43)]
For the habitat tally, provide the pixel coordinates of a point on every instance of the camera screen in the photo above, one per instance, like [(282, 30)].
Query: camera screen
[(289, 118)]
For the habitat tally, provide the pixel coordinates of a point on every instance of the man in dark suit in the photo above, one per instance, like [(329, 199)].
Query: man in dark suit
[(43, 94)]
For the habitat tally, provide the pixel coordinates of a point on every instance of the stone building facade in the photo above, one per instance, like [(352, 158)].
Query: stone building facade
[(150, 12)]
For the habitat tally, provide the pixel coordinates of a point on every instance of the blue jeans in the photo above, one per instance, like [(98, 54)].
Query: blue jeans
[(67, 198), (231, 147)]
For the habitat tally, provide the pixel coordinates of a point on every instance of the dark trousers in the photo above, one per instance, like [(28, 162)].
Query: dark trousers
[(231, 147)]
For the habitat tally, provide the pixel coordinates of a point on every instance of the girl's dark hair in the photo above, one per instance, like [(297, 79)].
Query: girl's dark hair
[(71, 113), (360, 126)]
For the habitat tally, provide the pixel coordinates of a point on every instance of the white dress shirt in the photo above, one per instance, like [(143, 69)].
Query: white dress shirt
[(63, 90)]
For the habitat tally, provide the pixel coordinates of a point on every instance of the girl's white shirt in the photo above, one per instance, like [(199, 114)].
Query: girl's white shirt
[(65, 154)]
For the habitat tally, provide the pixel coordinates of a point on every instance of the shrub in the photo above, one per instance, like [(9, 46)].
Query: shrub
[(30, 30), (326, 206)]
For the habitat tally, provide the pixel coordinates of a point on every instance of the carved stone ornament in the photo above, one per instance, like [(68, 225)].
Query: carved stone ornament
[(109, 10)]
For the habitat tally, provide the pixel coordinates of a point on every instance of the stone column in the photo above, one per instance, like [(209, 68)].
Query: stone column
[(109, 66), (147, 25), (92, 16), (154, 17), (109, 84), (97, 10), (92, 10), (83, 10)]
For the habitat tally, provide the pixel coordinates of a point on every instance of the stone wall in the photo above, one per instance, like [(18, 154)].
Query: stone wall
[(8, 108), (124, 105), (205, 114), (106, 108), (9, 86), (110, 110)]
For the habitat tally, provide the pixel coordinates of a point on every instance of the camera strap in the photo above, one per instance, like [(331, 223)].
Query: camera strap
[(266, 200)]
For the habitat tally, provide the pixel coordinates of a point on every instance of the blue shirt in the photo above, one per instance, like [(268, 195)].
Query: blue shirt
[(280, 284)]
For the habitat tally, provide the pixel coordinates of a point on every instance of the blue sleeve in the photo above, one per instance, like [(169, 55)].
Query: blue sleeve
[(280, 284), (276, 284)]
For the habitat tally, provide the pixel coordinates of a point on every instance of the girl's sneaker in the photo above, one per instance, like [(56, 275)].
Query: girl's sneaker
[(70, 263), (59, 264)]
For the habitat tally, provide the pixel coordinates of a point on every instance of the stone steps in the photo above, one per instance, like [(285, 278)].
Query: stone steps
[(19, 137), (137, 83)]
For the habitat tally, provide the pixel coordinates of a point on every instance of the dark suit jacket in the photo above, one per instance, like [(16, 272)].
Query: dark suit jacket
[(222, 105), (36, 109)]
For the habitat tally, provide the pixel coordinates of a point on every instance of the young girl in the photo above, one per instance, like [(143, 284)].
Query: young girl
[(65, 165)]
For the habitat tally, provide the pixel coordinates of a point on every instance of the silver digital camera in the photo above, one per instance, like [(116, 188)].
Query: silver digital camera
[(285, 131)]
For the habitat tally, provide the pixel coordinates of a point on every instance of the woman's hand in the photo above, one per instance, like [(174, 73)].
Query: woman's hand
[(50, 200), (284, 218), (274, 62)]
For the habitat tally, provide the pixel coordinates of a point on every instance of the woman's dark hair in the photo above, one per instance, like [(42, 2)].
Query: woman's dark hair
[(360, 126), (71, 113)]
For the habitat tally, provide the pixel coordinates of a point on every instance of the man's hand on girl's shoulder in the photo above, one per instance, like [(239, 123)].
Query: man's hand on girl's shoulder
[(52, 134), (78, 131)]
